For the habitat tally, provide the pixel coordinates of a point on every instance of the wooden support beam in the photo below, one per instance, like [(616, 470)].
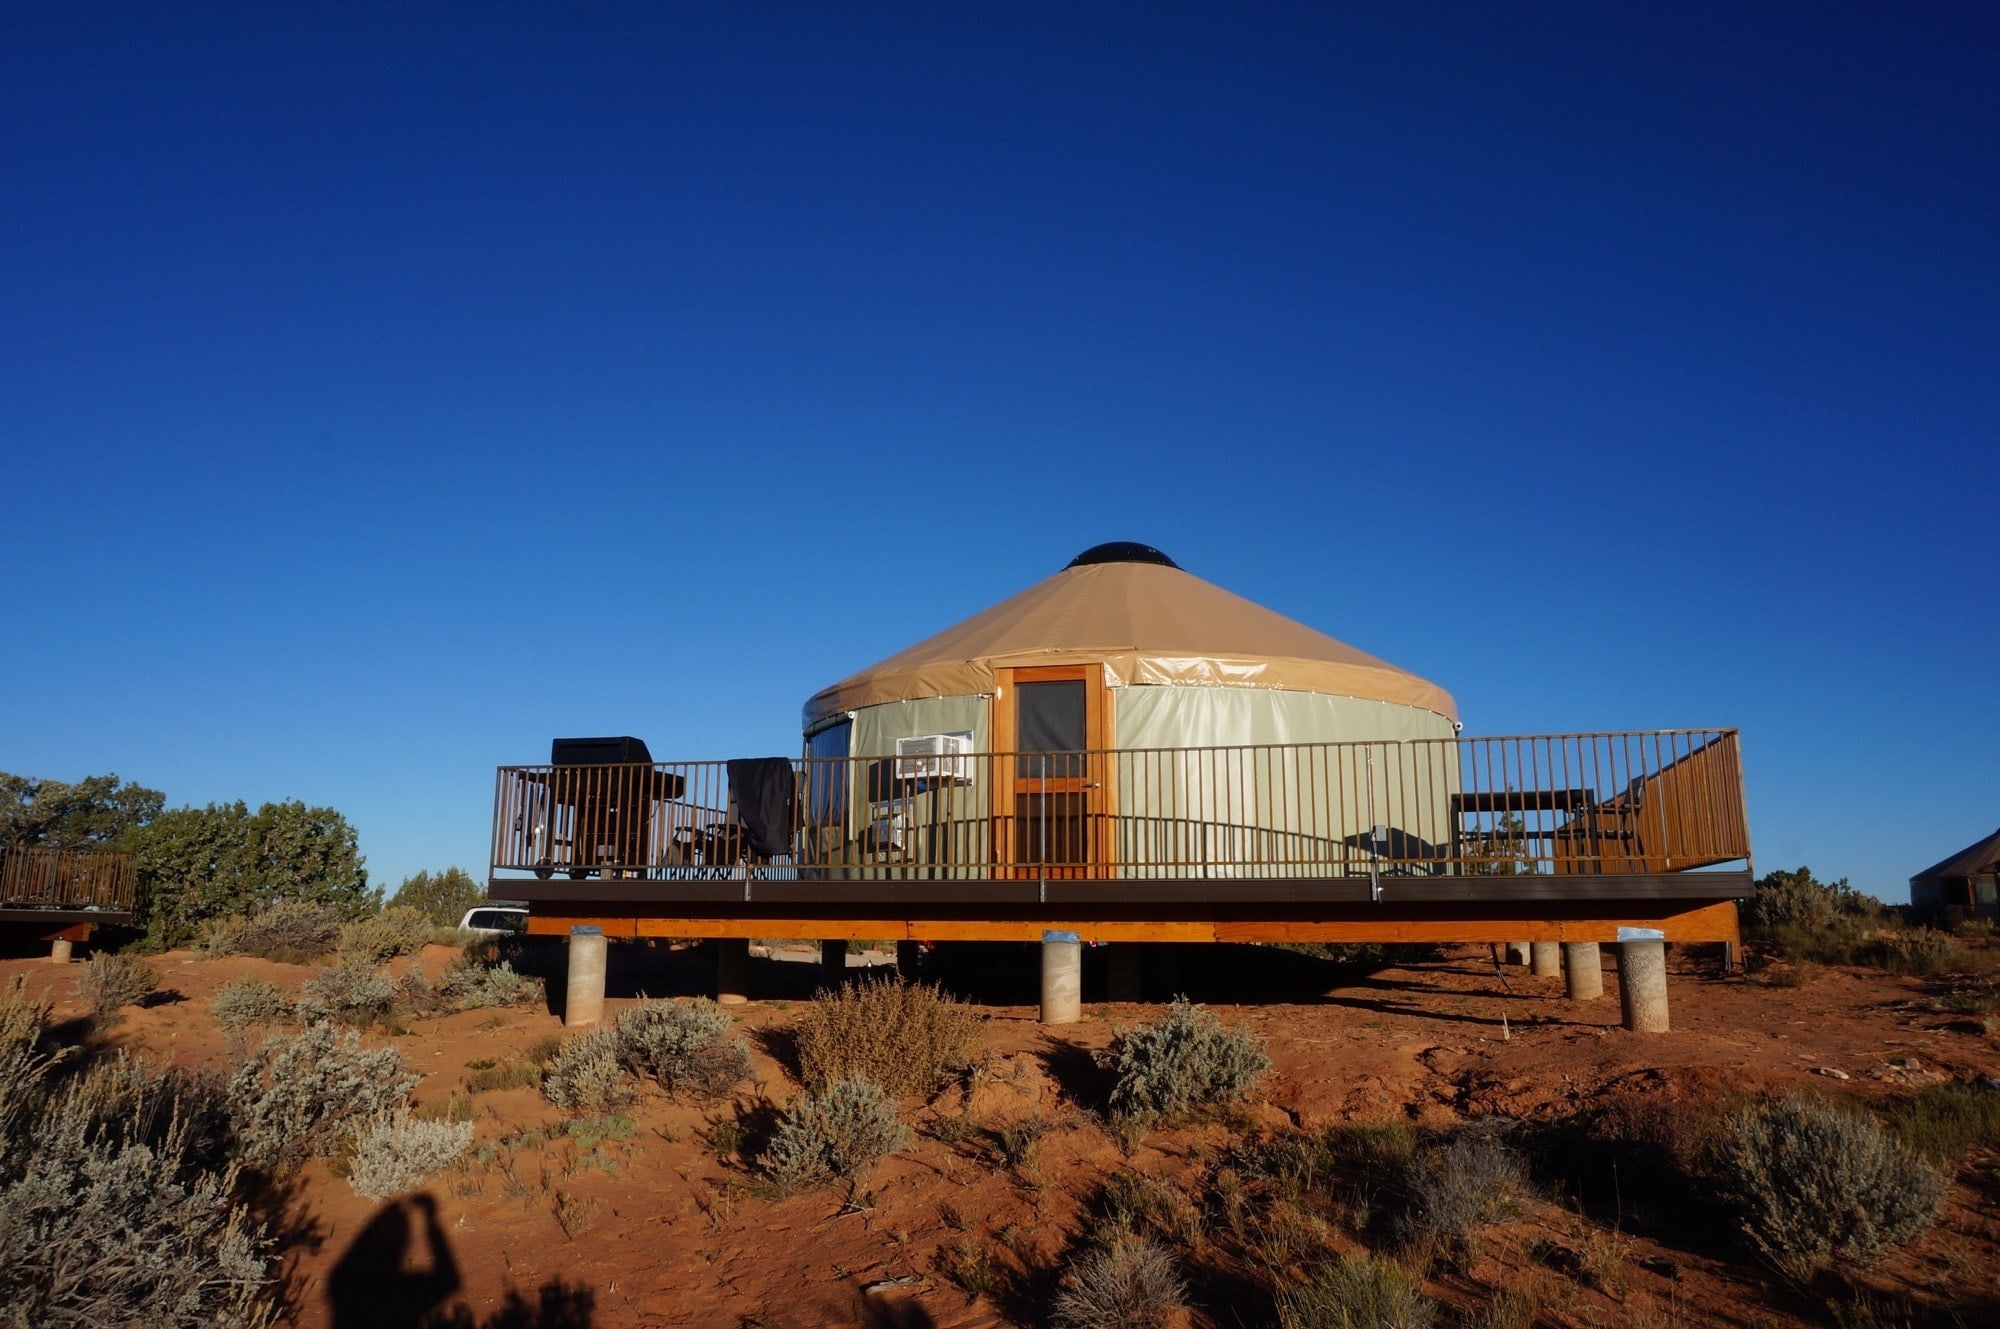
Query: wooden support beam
[(1525, 921)]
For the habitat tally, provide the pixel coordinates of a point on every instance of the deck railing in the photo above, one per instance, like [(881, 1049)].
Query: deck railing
[(1604, 804), (99, 879)]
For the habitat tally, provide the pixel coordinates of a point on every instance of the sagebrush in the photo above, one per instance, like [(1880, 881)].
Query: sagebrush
[(398, 1151), (684, 1047), (352, 993), (242, 1002), (1814, 1184), (1130, 1285), (300, 1093), (467, 985), (1187, 1060), (395, 931), (586, 1075), (294, 931), (906, 1037), (110, 981), (1453, 1187), (114, 1206), (833, 1133)]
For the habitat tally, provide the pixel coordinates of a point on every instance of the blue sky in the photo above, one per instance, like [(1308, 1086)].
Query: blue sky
[(385, 390)]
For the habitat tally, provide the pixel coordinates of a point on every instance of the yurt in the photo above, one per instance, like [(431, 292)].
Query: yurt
[(1124, 718)]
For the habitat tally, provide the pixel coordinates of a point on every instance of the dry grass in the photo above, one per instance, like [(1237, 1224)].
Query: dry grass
[(907, 1038)]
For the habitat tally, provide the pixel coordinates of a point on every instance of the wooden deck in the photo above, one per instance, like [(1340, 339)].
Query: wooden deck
[(1550, 838)]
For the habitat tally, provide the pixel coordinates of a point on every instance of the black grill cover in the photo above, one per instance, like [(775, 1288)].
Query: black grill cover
[(598, 752)]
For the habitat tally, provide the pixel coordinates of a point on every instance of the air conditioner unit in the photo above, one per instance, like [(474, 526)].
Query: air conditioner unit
[(935, 757)]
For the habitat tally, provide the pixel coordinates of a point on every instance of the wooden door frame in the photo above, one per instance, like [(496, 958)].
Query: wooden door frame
[(1101, 794)]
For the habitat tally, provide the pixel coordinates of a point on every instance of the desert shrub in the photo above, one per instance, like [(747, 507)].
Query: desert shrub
[(1130, 1285), (301, 1092), (1942, 1121), (1928, 951), (1814, 1184), (1451, 1188), (684, 1046), (585, 1074), (907, 1038), (1346, 1170), (395, 931), (1187, 1060), (353, 993), (467, 985), (1805, 919), (23, 1016), (1358, 1291), (471, 986), (242, 1002), (111, 1211), (294, 931), (111, 981), (397, 1152), (833, 1133)]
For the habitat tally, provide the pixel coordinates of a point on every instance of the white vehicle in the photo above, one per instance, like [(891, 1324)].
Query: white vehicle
[(495, 920)]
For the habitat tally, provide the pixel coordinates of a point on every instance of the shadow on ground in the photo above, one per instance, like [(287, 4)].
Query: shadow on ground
[(399, 1272)]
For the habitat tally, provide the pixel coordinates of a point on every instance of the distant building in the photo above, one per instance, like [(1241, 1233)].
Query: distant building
[(1966, 885)]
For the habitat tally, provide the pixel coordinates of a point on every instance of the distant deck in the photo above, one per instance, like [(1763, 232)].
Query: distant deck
[(1546, 837), (52, 891)]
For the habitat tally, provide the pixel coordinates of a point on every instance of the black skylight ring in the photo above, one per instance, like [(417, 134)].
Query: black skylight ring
[(1121, 551)]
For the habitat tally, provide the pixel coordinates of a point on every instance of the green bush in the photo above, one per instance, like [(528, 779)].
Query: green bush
[(113, 1210), (441, 897), (1187, 1060), (585, 1074), (1814, 1184), (397, 1152), (300, 1093), (906, 1037), (111, 981), (1130, 1285), (683, 1046), (350, 993), (1358, 1291), (832, 1134), (1451, 1189), (197, 865), (242, 1002)]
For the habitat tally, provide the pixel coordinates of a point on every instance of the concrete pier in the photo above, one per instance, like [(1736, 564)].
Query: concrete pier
[(1126, 962), (1517, 952), (832, 963), (732, 970), (1585, 970), (1642, 985), (1062, 978), (1545, 959), (60, 951), (584, 1002)]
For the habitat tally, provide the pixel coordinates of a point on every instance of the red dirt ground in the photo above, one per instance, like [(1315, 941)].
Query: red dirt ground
[(665, 1233)]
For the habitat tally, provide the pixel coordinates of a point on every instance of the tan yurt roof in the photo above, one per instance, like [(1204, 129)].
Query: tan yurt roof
[(1146, 622)]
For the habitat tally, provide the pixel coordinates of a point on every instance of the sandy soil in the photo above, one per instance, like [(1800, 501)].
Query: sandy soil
[(663, 1231)]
